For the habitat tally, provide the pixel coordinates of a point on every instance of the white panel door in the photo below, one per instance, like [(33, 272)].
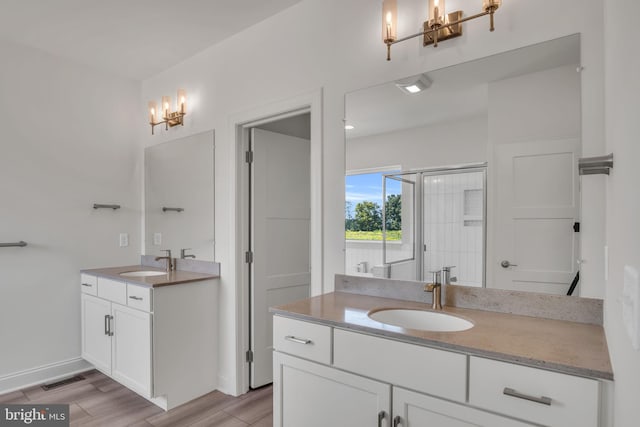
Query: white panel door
[(411, 409), (537, 204), (96, 342), (280, 239), (131, 344), (310, 395)]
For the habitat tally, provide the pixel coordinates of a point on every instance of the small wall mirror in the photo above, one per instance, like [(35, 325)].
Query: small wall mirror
[(473, 167), (179, 197)]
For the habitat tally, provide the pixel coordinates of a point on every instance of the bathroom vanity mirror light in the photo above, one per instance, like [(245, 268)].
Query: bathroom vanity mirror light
[(165, 114), (439, 25)]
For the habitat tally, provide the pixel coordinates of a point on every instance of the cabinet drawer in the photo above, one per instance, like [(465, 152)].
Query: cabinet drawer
[(112, 290), (88, 284), (424, 369), (556, 399), (308, 340), (139, 297)]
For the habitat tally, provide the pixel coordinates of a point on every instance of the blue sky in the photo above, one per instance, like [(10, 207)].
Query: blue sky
[(367, 186)]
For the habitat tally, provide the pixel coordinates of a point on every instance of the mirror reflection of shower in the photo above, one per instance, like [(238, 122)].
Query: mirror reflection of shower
[(450, 205)]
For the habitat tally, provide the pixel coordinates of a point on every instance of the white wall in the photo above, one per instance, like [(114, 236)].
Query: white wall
[(441, 144), (335, 45), (535, 107), (623, 198), (68, 140)]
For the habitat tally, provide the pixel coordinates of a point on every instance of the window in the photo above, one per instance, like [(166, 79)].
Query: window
[(364, 207)]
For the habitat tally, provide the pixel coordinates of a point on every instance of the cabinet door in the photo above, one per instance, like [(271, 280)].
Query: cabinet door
[(131, 348), (311, 395), (413, 409), (96, 342)]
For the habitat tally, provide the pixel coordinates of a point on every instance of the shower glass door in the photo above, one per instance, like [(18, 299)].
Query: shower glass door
[(454, 224), (399, 226)]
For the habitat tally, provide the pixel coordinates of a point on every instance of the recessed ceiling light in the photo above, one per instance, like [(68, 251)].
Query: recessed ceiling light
[(414, 84), (349, 127)]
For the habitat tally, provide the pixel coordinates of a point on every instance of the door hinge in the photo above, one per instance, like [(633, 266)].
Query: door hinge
[(248, 257), (249, 356), (576, 227), (248, 156)]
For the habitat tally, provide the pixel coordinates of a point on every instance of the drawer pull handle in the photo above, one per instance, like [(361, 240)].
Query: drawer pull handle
[(381, 416), (298, 340), (87, 285), (397, 421), (136, 298), (542, 400), (110, 330), (106, 324)]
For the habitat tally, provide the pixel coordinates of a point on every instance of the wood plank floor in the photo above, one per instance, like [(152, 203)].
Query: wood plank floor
[(99, 401)]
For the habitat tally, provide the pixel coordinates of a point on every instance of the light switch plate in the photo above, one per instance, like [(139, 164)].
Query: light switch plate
[(631, 305), (157, 239), (124, 240)]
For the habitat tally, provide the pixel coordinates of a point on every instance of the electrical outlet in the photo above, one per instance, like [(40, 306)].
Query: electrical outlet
[(157, 239), (124, 240)]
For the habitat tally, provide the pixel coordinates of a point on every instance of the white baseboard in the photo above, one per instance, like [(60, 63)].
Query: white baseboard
[(43, 374)]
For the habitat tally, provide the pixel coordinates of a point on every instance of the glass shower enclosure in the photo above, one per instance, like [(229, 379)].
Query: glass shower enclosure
[(435, 218)]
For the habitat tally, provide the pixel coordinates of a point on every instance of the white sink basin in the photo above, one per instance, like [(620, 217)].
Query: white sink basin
[(421, 320), (148, 273)]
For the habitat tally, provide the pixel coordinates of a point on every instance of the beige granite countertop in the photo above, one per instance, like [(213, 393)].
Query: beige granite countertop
[(173, 278), (556, 345)]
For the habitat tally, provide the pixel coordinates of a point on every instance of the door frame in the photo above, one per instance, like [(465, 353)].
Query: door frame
[(239, 125)]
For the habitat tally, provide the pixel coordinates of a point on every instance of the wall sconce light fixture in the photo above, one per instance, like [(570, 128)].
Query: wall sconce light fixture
[(438, 26), (165, 115)]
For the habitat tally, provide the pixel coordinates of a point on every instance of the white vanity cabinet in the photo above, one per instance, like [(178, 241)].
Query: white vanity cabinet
[(159, 342), (131, 348), (96, 341), (416, 409), (313, 395), (116, 339), (358, 379)]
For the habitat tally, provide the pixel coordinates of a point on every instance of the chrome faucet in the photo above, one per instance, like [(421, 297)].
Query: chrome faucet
[(183, 254), (170, 265), (446, 275), (435, 287)]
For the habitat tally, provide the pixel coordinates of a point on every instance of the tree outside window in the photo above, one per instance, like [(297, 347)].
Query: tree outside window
[(363, 210)]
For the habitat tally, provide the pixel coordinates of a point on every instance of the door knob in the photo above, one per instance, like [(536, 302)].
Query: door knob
[(507, 264)]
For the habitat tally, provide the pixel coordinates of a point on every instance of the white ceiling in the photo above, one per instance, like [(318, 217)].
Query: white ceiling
[(132, 38), (456, 92)]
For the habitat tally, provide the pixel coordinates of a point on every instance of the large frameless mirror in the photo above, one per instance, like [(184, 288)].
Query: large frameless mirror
[(179, 197), (476, 171)]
